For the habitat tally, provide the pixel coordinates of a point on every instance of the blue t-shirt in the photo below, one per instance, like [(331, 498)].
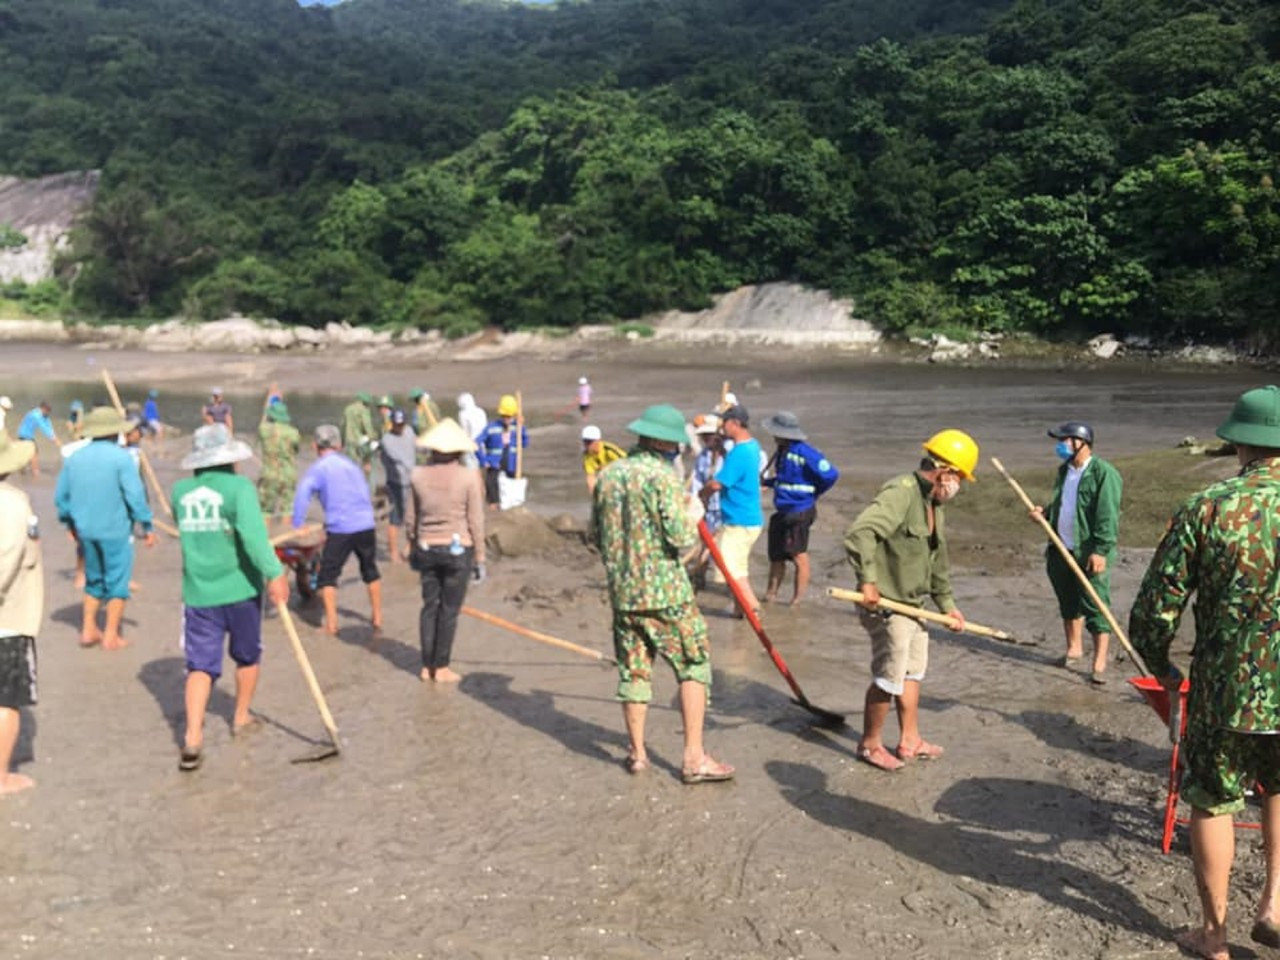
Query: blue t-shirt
[(740, 479)]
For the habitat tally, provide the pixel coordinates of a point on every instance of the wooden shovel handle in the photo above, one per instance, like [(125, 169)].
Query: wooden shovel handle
[(977, 629), (305, 663), (147, 472), (535, 635)]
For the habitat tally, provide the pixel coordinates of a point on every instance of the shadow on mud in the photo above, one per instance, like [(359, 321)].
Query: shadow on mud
[(993, 832), (166, 681)]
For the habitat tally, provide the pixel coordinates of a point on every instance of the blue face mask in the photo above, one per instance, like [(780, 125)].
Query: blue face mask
[(1063, 450), (670, 455)]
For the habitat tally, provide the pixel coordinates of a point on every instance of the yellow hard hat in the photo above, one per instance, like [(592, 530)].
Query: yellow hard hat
[(507, 406), (956, 449)]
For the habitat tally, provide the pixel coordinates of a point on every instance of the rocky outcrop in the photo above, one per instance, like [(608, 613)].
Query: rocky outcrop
[(43, 210), (770, 313)]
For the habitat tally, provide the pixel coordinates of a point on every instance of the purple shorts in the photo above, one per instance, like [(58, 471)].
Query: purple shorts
[(204, 627)]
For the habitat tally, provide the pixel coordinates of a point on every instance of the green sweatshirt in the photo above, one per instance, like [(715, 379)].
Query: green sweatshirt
[(226, 554), (889, 545), (1097, 507)]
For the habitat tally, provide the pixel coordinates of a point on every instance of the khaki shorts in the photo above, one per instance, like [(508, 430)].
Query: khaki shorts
[(735, 545), (899, 649)]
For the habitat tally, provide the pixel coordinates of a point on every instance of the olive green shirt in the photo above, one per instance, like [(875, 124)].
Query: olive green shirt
[(1097, 507), (889, 544)]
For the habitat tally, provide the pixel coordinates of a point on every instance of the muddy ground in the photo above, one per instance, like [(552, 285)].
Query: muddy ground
[(495, 819)]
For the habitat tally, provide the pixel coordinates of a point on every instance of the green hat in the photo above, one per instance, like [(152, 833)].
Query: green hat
[(365, 398), (104, 422), (415, 393), (660, 422), (1255, 420), (386, 401), (278, 413)]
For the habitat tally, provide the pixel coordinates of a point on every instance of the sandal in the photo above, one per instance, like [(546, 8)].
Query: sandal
[(709, 770), (924, 750), (1266, 933), (190, 760), (1066, 660), (880, 758)]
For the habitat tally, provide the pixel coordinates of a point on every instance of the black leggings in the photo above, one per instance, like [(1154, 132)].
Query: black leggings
[(444, 587)]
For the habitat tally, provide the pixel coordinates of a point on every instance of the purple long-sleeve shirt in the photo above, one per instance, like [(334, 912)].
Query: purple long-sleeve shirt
[(343, 492)]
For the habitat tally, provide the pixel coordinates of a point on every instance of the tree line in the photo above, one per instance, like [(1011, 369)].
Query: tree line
[(1054, 167)]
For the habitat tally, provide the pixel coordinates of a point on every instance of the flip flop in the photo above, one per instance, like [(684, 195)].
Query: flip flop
[(1098, 678), (190, 760), (880, 758), (708, 771), (922, 751), (1267, 933)]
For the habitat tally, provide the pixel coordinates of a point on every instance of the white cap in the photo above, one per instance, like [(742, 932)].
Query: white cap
[(216, 392), (6, 403), (709, 423), (591, 434), (582, 381)]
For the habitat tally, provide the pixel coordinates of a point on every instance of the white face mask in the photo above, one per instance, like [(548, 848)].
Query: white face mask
[(946, 487)]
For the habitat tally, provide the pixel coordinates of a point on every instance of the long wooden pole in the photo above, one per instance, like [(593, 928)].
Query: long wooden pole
[(977, 629), (310, 675), (535, 635), (147, 472), (1075, 568)]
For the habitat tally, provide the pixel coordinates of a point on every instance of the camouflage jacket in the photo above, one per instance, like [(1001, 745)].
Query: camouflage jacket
[(639, 523), (1222, 545), (280, 442), (357, 431)]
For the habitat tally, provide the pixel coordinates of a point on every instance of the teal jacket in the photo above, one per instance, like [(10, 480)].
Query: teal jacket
[(1097, 508)]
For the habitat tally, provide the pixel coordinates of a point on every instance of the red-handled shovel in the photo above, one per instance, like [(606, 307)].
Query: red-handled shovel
[(827, 716)]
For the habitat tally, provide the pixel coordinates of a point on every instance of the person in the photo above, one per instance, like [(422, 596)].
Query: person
[(499, 442), (426, 412), (584, 397), (1223, 546), (1085, 512), (710, 451), (99, 498), (5, 406), (75, 420), (357, 431), (738, 483), (473, 420), (21, 606), (36, 420), (597, 453), (448, 542), (280, 442), (217, 410), (151, 424), (398, 453), (382, 422), (343, 492), (898, 549), (226, 558), (639, 524), (798, 475)]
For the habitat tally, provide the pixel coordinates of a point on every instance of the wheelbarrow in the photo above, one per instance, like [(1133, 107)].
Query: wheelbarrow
[(299, 551), (1157, 697)]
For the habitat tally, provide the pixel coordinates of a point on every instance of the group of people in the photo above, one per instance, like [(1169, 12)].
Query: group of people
[(1220, 548)]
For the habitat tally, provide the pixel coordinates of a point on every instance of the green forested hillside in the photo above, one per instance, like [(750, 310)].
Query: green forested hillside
[(1051, 166)]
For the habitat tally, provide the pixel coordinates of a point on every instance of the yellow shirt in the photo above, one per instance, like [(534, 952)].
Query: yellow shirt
[(593, 463)]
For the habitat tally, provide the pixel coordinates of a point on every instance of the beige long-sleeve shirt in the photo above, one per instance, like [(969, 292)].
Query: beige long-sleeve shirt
[(448, 498), (21, 572)]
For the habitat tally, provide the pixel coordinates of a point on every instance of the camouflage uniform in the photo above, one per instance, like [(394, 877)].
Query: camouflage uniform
[(357, 432), (1222, 545), (639, 523), (279, 477)]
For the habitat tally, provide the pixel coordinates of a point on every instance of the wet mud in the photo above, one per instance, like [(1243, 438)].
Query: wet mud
[(495, 819)]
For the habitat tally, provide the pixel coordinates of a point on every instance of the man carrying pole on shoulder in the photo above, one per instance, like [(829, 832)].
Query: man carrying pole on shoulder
[(898, 548)]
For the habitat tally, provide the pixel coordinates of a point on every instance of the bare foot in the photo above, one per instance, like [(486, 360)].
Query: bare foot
[(1201, 944), (15, 783), (445, 675), (770, 597), (331, 629), (427, 675), (113, 641), (90, 639), (795, 601)]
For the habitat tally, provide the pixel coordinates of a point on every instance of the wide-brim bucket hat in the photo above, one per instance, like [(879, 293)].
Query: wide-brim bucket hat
[(103, 422), (1255, 419), (213, 446), (278, 413), (785, 425), (661, 421), (14, 454), (447, 437)]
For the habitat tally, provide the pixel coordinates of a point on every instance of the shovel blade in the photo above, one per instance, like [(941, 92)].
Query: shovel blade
[(322, 752)]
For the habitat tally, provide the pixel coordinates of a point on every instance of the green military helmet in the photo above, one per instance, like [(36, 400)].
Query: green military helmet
[(365, 398), (1255, 419), (278, 413), (416, 393), (386, 400), (660, 422)]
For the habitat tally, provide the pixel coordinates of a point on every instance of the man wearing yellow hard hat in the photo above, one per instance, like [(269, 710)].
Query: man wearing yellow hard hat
[(898, 548), (498, 444)]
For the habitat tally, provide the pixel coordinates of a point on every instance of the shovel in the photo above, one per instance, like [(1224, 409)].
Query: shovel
[(332, 749), (826, 716), (977, 629)]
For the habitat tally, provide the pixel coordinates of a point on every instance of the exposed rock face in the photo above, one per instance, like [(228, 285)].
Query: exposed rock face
[(44, 211), (782, 313)]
